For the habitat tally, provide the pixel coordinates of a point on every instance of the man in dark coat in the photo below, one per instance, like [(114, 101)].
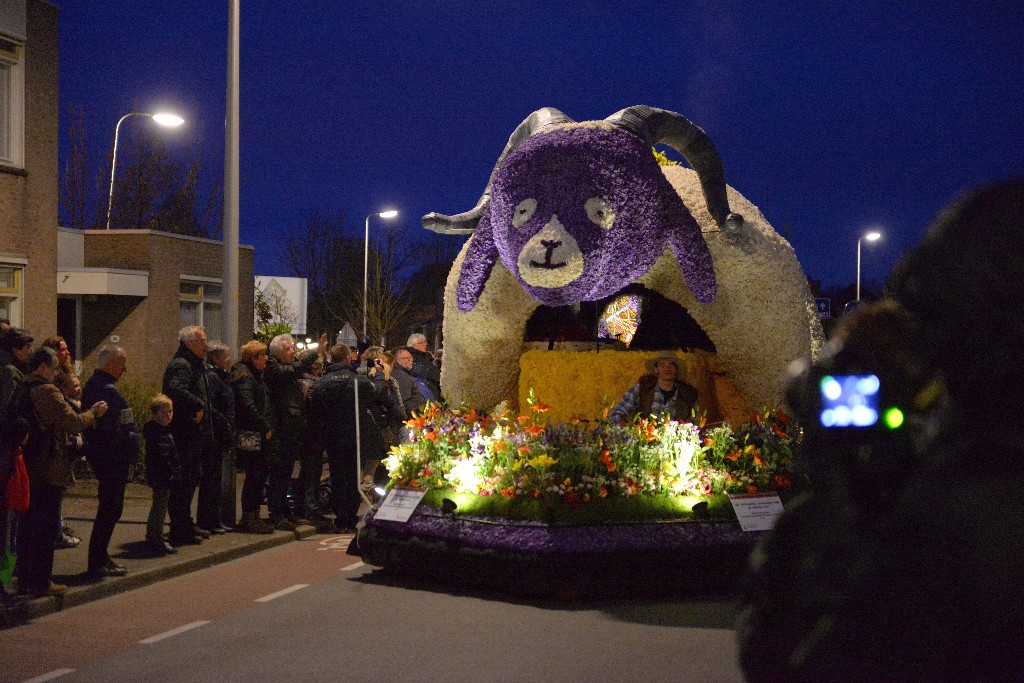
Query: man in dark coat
[(111, 448), (289, 406), (219, 468), (186, 385), (412, 398), (15, 347), (332, 413), (423, 367)]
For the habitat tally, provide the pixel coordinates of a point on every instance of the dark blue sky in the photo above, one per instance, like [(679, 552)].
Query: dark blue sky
[(831, 119)]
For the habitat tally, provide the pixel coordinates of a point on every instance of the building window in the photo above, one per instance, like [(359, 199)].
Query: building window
[(201, 305), (11, 294), (12, 103)]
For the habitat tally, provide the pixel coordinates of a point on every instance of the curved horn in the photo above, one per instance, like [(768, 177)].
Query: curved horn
[(661, 125), (466, 222)]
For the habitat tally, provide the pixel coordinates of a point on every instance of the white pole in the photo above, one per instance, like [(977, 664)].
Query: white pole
[(366, 268), (858, 269), (113, 162), (230, 299)]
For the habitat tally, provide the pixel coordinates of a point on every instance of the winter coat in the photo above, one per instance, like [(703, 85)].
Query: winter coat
[(185, 383), (163, 465), (47, 459), (11, 379), (112, 446), (332, 413), (423, 368), (222, 401), (252, 400), (286, 400), (412, 399)]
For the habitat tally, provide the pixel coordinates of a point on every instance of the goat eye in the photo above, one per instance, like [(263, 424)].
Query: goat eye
[(523, 212), (599, 212)]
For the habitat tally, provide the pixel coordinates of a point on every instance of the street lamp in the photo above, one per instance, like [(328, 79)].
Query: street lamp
[(870, 237), (390, 213), (162, 119)]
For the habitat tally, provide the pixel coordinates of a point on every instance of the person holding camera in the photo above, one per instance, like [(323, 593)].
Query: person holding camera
[(905, 559)]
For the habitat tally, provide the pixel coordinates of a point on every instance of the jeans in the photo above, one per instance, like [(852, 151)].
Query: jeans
[(108, 512), (208, 510), (256, 471), (157, 514), (35, 539), (280, 477)]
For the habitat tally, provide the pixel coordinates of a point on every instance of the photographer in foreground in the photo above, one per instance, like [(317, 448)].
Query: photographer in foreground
[(906, 559)]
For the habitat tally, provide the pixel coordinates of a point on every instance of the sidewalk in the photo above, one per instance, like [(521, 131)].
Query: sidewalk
[(126, 547)]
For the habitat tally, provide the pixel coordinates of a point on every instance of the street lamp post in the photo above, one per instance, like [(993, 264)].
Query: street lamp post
[(390, 213), (163, 119), (870, 237)]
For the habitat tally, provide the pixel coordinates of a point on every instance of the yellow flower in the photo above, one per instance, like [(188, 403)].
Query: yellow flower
[(542, 460)]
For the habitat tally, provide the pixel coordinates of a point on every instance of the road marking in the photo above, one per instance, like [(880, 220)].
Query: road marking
[(173, 632), (49, 676), (336, 542), (357, 565), (286, 591)]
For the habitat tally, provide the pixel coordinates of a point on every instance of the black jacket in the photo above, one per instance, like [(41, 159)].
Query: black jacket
[(112, 445), (423, 368), (163, 465), (185, 384), (252, 401), (412, 398), (222, 400), (286, 400), (332, 413)]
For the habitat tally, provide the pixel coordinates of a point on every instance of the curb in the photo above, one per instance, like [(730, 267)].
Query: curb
[(80, 595)]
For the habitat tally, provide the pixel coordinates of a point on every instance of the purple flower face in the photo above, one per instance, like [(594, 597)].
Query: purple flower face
[(578, 213)]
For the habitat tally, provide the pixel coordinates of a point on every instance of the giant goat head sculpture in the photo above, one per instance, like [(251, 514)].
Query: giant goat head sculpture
[(576, 211)]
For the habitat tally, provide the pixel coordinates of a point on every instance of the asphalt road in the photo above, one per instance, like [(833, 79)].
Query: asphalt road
[(307, 611)]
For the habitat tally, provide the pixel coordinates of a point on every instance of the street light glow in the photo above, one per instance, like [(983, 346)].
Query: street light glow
[(390, 213), (872, 236), (169, 120)]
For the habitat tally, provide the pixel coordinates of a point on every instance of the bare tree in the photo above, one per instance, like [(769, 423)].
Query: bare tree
[(73, 190)]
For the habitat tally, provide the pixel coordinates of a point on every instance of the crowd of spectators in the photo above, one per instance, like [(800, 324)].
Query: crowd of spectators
[(270, 412)]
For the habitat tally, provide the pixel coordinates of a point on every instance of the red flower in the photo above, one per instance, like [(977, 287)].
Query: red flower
[(751, 489)]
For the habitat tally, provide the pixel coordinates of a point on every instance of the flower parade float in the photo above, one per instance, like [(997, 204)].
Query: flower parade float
[(520, 504), (577, 212)]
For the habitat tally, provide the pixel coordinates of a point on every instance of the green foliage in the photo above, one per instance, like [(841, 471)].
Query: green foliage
[(138, 395), (271, 330)]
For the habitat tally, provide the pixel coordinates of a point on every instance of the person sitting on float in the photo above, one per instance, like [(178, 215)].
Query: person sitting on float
[(663, 390)]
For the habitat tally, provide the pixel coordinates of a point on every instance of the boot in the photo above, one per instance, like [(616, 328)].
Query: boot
[(252, 524)]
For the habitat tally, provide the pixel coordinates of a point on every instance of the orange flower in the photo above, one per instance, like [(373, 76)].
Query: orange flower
[(417, 422), (431, 435), (751, 489), (602, 491), (779, 432), (732, 455), (708, 441), (523, 419), (783, 418), (508, 492), (523, 450), (534, 430), (472, 416), (414, 483), (540, 408), (702, 421)]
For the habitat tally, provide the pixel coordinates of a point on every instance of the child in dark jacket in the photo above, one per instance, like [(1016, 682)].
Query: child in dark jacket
[(163, 469)]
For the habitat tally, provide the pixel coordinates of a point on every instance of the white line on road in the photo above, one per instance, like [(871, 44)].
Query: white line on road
[(172, 632), (357, 565), (49, 676), (286, 591)]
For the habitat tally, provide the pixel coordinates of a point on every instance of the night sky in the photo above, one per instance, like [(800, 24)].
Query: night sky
[(833, 120)]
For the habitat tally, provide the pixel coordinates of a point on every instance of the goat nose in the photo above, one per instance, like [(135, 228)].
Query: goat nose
[(551, 244)]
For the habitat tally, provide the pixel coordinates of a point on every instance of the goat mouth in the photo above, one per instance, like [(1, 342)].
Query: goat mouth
[(548, 264)]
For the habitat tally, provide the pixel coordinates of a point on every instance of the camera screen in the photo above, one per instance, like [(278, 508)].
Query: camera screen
[(849, 400)]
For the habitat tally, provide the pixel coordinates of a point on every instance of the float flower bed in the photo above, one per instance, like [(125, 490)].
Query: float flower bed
[(574, 503)]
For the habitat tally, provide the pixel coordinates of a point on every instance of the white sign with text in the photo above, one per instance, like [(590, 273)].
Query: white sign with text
[(399, 504), (756, 511)]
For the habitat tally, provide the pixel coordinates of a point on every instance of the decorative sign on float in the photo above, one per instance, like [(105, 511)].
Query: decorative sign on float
[(756, 511), (399, 504)]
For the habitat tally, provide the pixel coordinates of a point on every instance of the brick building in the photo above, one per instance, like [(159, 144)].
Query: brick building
[(28, 163), (136, 288), (133, 287)]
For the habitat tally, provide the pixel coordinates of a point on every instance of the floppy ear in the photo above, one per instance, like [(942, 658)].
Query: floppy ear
[(477, 266), (684, 236)]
